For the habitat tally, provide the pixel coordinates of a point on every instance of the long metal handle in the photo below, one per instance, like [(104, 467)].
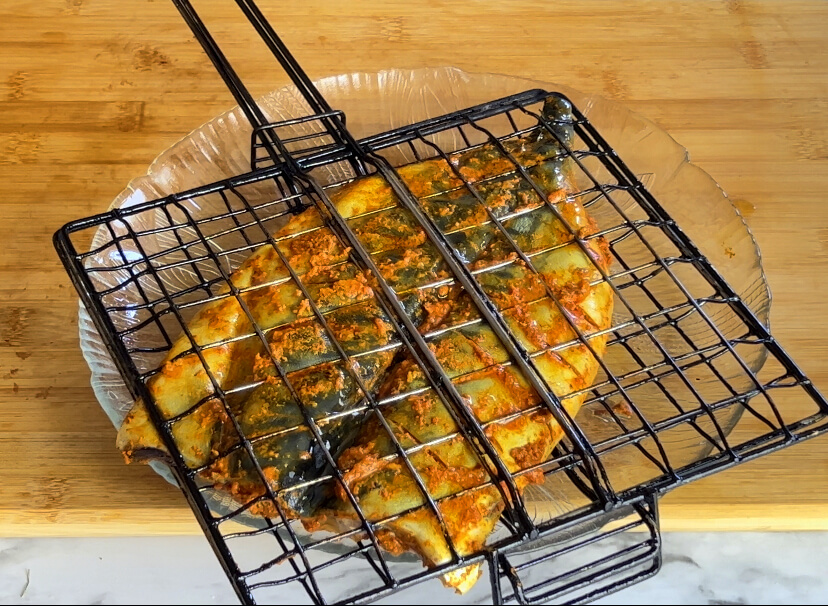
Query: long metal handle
[(277, 150), (251, 109), (284, 56)]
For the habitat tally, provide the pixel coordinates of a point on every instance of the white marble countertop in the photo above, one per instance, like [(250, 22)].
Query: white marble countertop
[(698, 568)]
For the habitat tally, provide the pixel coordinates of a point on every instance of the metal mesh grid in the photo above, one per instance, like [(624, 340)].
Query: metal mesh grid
[(655, 345), (679, 371)]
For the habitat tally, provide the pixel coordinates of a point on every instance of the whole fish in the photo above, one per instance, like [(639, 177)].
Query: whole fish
[(522, 431)]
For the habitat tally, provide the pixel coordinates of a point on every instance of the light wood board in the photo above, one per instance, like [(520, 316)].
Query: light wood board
[(92, 90)]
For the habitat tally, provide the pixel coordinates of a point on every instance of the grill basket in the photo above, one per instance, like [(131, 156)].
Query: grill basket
[(696, 350)]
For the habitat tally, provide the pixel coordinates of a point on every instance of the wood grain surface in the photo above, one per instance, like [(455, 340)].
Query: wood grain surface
[(92, 90)]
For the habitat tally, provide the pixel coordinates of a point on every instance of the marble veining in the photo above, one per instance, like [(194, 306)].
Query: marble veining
[(698, 568)]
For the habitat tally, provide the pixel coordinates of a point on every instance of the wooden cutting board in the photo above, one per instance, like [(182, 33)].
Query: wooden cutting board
[(92, 90)]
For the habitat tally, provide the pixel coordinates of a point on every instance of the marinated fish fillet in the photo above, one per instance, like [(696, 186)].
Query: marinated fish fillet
[(268, 412), (522, 431)]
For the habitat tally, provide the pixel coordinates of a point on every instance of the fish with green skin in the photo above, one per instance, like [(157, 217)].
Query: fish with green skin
[(267, 412), (270, 416)]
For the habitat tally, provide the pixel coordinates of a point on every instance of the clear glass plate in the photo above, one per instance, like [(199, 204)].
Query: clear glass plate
[(377, 102)]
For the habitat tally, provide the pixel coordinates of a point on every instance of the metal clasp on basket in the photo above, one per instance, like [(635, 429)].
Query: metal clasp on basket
[(300, 137), (596, 557)]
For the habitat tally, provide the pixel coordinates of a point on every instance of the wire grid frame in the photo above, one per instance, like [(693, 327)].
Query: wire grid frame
[(658, 344)]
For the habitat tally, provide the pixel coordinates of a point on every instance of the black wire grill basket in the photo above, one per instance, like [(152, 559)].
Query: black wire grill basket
[(692, 344)]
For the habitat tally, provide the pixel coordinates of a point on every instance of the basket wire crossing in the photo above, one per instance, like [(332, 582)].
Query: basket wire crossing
[(679, 350)]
